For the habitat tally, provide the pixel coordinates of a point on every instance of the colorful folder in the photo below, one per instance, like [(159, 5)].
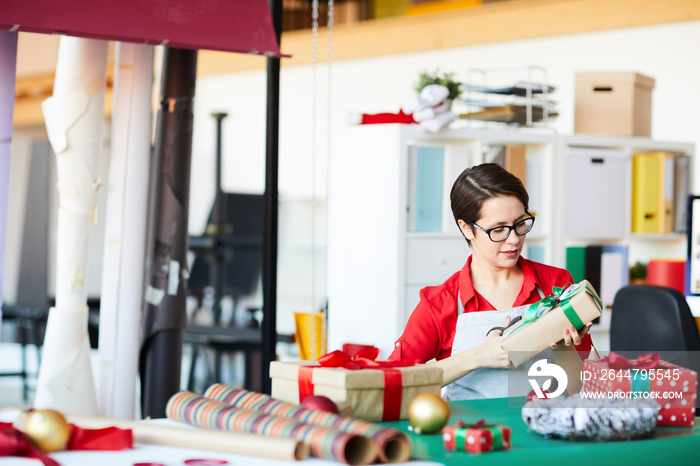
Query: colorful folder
[(653, 192)]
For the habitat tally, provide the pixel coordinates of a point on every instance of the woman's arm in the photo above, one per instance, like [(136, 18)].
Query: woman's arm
[(488, 353), (424, 334)]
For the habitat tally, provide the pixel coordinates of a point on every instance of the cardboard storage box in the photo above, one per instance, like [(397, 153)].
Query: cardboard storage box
[(617, 103), (363, 390), (530, 339)]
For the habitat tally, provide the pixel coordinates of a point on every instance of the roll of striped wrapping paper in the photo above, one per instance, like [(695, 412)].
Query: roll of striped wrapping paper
[(323, 442), (393, 446)]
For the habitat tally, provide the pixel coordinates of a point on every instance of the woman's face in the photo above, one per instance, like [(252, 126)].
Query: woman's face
[(495, 212)]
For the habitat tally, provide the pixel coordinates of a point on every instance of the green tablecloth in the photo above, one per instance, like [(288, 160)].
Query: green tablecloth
[(669, 445)]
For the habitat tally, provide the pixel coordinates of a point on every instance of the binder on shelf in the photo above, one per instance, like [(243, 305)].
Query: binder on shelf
[(425, 202), (576, 262), (511, 157), (605, 267), (681, 190), (515, 161), (653, 192), (537, 253), (594, 255), (614, 272), (534, 183)]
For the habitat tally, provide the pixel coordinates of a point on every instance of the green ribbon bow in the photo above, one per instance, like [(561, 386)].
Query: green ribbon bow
[(560, 296)]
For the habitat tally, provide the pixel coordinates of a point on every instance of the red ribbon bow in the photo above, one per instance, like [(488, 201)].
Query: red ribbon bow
[(364, 359), (645, 361), (476, 425)]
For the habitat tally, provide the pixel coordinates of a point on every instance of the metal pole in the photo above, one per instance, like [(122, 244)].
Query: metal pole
[(269, 323), (217, 227)]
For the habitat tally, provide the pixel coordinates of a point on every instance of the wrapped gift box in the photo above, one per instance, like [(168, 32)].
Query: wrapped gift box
[(522, 342), (363, 390), (677, 383), (476, 438)]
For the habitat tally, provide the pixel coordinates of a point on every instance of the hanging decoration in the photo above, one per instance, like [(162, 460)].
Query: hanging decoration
[(311, 332)]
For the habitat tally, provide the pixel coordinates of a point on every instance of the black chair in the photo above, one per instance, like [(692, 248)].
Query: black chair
[(229, 258), (654, 319), (233, 245), (30, 325)]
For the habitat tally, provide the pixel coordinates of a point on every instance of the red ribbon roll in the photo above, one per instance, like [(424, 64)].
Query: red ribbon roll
[(364, 359), (109, 438)]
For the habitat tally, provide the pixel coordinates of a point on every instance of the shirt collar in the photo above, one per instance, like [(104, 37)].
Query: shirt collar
[(466, 286), (530, 279)]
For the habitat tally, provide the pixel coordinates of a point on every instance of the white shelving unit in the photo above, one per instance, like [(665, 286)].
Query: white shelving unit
[(640, 244), (378, 262), (377, 265), (640, 247)]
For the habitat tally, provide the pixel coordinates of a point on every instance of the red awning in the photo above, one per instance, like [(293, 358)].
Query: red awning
[(243, 26)]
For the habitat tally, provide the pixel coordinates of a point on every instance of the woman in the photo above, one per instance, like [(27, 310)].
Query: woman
[(452, 321)]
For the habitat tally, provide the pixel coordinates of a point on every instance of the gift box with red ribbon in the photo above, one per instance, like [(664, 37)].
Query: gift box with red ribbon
[(673, 387), (373, 390), (476, 438), (546, 320)]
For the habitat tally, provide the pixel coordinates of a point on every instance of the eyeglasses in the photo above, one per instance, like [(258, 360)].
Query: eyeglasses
[(499, 234)]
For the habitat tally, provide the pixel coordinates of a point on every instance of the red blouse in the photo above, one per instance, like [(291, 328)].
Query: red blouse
[(430, 330)]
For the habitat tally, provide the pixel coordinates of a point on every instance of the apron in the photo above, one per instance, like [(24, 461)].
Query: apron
[(488, 382)]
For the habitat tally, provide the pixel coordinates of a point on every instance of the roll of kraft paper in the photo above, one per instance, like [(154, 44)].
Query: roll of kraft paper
[(667, 272), (324, 442), (222, 442), (393, 445)]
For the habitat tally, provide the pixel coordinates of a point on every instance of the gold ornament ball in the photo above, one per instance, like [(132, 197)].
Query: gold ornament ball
[(428, 413), (48, 429)]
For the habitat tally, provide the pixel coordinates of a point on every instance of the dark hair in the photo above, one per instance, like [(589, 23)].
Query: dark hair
[(477, 184)]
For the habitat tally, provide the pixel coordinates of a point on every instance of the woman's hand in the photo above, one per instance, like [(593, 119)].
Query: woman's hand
[(491, 354), (572, 336)]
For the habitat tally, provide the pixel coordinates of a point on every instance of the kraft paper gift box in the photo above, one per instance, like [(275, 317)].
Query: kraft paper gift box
[(576, 305), (372, 394), (476, 438), (617, 103), (614, 376)]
